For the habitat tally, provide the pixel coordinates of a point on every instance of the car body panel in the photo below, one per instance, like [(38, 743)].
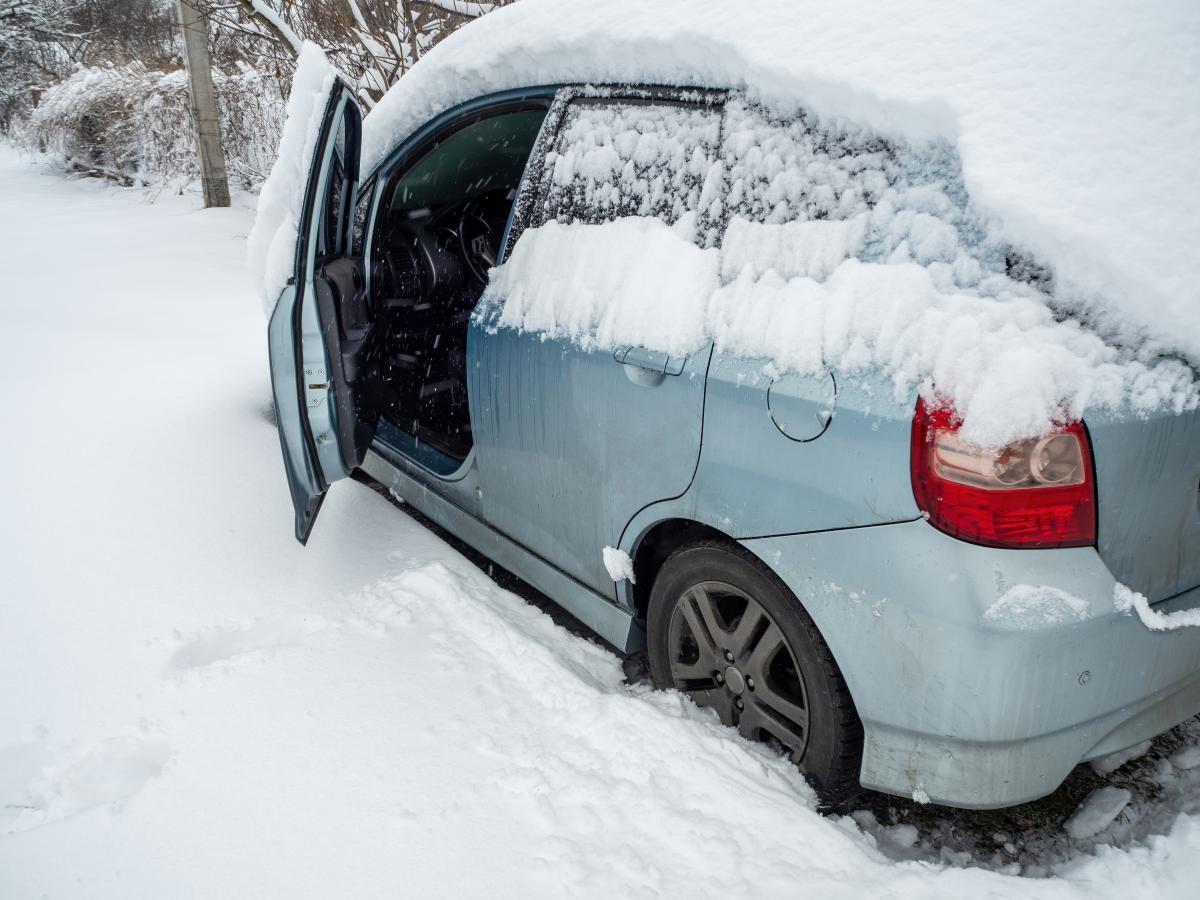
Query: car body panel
[(306, 484), (553, 423), (1148, 492), (973, 710), (459, 487), (599, 613), (755, 480)]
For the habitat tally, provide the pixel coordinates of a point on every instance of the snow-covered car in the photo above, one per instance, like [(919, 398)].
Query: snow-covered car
[(690, 360)]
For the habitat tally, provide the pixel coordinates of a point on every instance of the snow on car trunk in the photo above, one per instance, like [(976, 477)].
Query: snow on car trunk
[(994, 148)]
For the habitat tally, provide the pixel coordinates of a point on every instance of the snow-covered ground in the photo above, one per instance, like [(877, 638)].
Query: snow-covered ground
[(195, 706)]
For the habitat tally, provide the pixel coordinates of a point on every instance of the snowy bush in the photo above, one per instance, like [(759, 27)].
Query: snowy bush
[(134, 124)]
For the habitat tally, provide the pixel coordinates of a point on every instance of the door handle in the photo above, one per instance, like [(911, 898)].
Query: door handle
[(650, 360)]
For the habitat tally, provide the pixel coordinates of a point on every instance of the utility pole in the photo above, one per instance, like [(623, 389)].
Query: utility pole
[(205, 120)]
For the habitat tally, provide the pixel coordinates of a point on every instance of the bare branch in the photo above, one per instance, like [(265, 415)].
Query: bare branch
[(275, 24), (459, 7)]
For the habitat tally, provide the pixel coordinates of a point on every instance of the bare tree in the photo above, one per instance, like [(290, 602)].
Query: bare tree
[(376, 43), (106, 75)]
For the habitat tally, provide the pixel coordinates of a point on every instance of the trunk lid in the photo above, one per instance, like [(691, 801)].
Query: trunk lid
[(1148, 500)]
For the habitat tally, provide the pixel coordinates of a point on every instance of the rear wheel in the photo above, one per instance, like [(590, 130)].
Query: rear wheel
[(725, 630)]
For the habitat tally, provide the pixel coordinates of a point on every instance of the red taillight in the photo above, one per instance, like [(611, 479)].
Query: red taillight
[(1035, 493)]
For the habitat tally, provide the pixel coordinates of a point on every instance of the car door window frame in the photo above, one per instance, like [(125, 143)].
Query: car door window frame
[(433, 132), (408, 153), (530, 194)]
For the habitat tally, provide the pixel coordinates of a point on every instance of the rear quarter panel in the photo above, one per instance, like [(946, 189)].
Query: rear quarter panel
[(1148, 498), (753, 480)]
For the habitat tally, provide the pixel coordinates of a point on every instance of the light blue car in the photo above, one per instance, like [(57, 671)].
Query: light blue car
[(816, 558)]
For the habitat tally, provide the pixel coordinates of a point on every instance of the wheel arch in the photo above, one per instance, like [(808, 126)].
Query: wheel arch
[(655, 544), (656, 540), (664, 541)]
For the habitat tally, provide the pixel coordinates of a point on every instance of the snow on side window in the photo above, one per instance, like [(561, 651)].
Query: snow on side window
[(784, 167), (613, 159), (805, 196)]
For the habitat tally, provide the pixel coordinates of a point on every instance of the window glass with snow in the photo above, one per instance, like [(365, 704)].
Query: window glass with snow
[(614, 158), (335, 189), (805, 195), (362, 212)]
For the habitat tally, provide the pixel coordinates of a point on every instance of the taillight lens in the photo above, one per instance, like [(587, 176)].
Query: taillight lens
[(1035, 493)]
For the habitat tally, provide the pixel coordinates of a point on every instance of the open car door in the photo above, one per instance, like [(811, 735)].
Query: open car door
[(320, 333)]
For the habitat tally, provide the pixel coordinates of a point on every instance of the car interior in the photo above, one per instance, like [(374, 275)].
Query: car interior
[(438, 231)]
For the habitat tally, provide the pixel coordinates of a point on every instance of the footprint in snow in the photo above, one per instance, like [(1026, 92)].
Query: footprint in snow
[(36, 790), (220, 645)]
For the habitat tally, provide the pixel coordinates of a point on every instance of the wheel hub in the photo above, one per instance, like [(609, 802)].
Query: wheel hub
[(735, 680), (729, 654)]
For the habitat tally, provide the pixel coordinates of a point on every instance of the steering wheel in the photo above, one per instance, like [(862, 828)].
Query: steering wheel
[(480, 228)]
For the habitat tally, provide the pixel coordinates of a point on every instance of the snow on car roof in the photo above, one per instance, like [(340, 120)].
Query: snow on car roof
[(1077, 123)]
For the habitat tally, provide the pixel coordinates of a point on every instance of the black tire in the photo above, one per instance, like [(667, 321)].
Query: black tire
[(800, 704)]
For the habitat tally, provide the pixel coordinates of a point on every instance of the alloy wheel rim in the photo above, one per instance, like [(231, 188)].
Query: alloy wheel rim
[(728, 653)]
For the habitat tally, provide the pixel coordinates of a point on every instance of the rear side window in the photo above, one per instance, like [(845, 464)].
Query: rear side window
[(776, 189), (612, 158), (784, 168), (805, 194)]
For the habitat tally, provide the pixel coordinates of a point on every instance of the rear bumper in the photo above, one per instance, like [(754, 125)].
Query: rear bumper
[(973, 711)]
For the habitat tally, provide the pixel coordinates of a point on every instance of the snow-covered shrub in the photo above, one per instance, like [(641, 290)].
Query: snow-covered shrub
[(134, 124)]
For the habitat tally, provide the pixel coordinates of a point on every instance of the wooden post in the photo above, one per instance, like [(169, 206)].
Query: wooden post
[(205, 120)]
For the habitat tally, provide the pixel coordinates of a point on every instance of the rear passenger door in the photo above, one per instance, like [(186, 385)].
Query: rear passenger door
[(572, 443)]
